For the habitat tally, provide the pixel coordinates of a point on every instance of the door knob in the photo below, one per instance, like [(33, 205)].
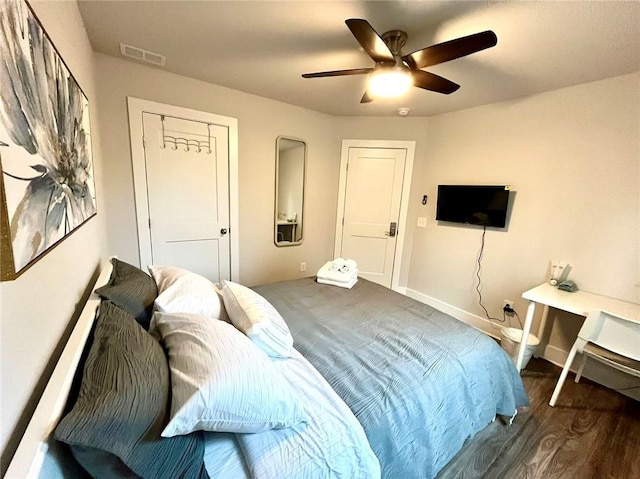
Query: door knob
[(223, 231)]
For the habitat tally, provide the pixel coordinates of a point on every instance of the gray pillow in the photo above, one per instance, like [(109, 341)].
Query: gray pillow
[(131, 289), (114, 427)]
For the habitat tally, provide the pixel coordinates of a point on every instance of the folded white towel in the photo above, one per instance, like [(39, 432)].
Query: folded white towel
[(339, 269), (340, 284), (342, 265), (329, 271), (349, 265), (335, 265)]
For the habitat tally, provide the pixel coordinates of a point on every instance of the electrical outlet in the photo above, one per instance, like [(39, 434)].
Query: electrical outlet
[(303, 266), (507, 304)]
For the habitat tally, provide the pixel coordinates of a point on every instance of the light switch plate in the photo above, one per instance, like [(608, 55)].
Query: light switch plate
[(422, 222)]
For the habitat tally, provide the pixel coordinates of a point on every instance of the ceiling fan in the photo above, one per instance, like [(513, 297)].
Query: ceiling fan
[(386, 51)]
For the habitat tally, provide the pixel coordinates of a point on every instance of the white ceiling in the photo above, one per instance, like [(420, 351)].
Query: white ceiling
[(263, 47)]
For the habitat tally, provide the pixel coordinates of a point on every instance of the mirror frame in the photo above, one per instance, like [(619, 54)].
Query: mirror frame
[(301, 220)]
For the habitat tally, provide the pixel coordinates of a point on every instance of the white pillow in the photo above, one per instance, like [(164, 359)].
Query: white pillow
[(181, 291), (258, 319), (220, 381)]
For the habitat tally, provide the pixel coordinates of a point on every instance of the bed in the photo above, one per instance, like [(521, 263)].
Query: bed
[(419, 381), (360, 383)]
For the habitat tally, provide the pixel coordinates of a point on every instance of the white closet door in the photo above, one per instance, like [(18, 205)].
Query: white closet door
[(187, 180)]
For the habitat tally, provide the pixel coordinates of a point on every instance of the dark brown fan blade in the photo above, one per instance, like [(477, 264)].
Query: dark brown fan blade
[(337, 73), (444, 52), (366, 98), (430, 81), (369, 39)]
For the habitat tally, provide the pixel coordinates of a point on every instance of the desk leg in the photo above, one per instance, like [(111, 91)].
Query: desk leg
[(541, 332), (525, 334)]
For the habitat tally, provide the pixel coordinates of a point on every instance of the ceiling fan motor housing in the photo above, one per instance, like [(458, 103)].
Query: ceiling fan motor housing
[(395, 40)]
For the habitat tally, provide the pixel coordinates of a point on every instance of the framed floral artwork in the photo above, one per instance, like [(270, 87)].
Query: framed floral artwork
[(47, 189)]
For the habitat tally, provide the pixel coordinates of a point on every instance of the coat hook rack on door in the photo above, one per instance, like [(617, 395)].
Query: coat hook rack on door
[(176, 141)]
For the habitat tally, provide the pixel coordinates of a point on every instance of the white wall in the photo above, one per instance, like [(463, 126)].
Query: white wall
[(260, 122), (573, 158), (36, 309)]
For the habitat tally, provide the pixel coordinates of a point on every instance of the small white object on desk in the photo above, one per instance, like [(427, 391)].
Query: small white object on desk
[(577, 302)]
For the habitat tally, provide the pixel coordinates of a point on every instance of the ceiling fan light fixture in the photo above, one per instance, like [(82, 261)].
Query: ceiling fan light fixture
[(394, 73), (390, 82)]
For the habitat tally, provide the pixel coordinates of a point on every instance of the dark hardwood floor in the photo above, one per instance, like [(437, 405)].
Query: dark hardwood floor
[(592, 432)]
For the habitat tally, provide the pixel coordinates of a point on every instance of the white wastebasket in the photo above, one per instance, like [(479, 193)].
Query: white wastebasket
[(510, 342)]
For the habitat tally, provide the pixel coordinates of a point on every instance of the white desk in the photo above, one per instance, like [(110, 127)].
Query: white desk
[(578, 302)]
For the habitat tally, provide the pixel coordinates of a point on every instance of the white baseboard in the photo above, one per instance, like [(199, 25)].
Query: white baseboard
[(551, 353), (401, 290), (555, 356), (477, 322)]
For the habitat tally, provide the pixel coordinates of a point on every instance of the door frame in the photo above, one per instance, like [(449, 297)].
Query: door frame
[(137, 106), (410, 147)]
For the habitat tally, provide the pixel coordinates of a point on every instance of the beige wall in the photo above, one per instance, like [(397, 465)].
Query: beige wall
[(260, 122), (573, 158), (36, 308)]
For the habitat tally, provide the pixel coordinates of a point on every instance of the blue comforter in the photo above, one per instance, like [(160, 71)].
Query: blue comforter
[(419, 381)]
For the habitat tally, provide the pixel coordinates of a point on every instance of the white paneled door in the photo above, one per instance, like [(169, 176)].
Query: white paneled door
[(371, 214), (187, 185)]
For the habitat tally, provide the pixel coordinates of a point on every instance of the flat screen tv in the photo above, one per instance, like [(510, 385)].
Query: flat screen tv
[(473, 204)]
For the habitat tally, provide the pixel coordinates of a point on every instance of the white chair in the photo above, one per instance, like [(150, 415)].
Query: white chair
[(611, 339)]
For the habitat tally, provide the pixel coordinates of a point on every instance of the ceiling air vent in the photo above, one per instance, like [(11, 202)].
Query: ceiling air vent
[(143, 55)]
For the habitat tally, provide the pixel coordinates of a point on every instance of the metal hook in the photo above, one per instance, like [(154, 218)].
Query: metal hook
[(175, 141), (164, 140)]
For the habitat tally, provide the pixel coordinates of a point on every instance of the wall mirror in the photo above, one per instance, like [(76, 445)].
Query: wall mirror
[(291, 155)]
